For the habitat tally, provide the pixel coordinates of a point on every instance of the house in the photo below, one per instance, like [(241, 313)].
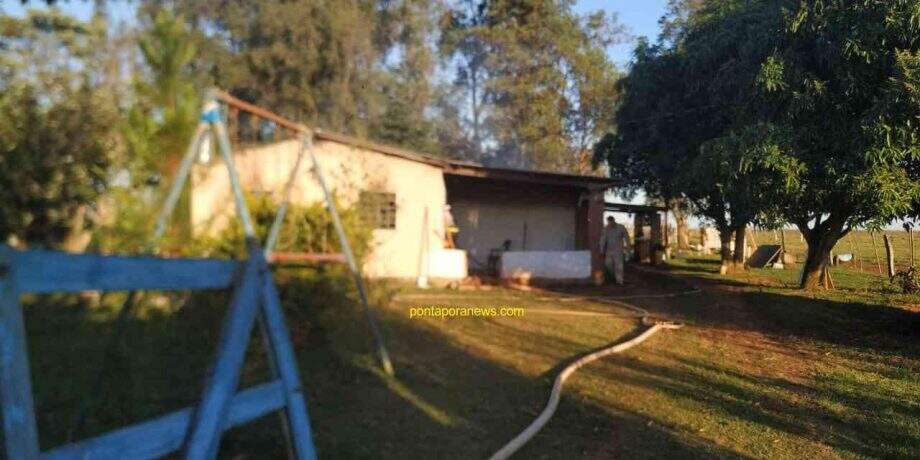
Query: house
[(517, 223)]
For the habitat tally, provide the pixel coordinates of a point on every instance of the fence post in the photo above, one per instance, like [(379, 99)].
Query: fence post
[(889, 253), (878, 262), (910, 237)]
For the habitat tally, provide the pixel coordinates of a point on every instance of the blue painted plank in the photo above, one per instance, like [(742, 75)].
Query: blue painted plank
[(40, 271), (162, 435), (286, 360), (208, 423), (20, 434)]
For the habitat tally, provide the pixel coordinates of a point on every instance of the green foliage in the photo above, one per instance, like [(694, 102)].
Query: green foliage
[(310, 61), (907, 281), (537, 78), (406, 27), (156, 130), (160, 122), (130, 224), (844, 82), (684, 131), (306, 229), (57, 140), (804, 112), (362, 67)]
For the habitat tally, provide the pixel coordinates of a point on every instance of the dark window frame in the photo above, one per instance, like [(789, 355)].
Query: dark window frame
[(378, 209)]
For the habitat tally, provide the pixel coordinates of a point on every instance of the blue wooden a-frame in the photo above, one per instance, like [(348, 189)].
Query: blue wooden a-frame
[(195, 430)]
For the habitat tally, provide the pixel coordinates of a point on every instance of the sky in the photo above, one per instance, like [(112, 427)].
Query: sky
[(639, 16)]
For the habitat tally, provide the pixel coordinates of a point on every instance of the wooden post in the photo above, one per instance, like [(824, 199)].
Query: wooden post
[(853, 250), (524, 238), (595, 228), (667, 234), (889, 253), (910, 237), (878, 262)]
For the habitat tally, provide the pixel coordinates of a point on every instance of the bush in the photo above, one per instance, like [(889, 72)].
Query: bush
[(305, 229), (908, 281), (318, 298)]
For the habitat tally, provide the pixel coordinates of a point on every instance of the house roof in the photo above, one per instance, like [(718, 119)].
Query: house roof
[(469, 168), (454, 167)]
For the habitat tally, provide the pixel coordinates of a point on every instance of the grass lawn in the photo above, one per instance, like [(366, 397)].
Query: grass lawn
[(868, 249), (761, 370)]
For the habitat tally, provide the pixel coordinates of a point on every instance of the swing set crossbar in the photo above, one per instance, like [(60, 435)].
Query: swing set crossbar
[(92, 272)]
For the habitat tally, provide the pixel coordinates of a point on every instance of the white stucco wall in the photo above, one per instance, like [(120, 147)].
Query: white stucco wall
[(484, 226), (398, 252), (559, 265)]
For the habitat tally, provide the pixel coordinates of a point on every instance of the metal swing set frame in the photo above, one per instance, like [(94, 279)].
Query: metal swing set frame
[(195, 431)]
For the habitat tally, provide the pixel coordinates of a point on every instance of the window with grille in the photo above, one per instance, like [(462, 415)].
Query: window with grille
[(378, 209)]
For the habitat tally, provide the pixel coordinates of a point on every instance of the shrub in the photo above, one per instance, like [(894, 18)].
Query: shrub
[(908, 281), (318, 298), (305, 229)]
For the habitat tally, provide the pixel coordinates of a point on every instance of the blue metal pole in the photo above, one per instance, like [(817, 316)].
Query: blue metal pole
[(286, 198), (175, 190), (212, 116), (353, 266)]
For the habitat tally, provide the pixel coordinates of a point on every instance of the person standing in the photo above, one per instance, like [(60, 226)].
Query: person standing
[(614, 241)]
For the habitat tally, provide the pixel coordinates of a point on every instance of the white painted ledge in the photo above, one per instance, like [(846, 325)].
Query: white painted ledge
[(447, 264), (561, 265)]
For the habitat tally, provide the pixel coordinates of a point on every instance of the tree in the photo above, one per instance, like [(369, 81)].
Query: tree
[(307, 60), (845, 76), (156, 130), (802, 111), (686, 104), (463, 49), (536, 74), (649, 147), (56, 128), (404, 39), (166, 106)]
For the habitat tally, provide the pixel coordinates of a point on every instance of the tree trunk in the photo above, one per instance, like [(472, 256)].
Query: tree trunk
[(820, 244), (683, 229), (725, 240), (740, 237)]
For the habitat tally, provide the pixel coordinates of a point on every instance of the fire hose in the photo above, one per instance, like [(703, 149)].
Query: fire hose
[(544, 417)]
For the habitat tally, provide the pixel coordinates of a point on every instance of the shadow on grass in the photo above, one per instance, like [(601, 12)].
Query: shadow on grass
[(786, 313), (853, 410), (446, 401), (450, 402), (485, 404), (788, 407)]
